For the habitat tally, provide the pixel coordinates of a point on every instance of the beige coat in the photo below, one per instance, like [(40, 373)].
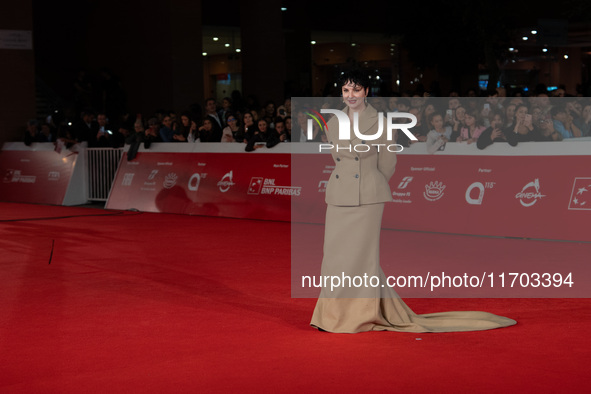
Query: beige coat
[(360, 177)]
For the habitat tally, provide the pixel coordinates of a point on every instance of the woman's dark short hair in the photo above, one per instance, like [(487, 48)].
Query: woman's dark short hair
[(358, 77)]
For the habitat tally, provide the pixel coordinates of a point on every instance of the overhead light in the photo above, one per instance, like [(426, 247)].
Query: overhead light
[(377, 77), (566, 56), (392, 45), (544, 50), (204, 53), (226, 45), (215, 38), (313, 42), (283, 8), (524, 38), (238, 50), (398, 82), (534, 32), (353, 44), (511, 49)]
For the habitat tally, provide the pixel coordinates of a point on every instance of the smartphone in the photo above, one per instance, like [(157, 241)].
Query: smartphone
[(487, 106), (449, 113)]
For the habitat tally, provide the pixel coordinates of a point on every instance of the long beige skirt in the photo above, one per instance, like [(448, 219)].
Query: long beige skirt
[(351, 248)]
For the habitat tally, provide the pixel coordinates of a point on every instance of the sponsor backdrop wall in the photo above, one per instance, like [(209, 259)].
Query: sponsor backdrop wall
[(538, 196)]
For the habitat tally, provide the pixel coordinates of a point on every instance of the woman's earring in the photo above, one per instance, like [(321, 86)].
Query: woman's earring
[(365, 99)]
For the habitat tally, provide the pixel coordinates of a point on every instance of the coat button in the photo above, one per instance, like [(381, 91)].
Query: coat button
[(337, 176), (338, 159), (363, 142), (330, 142), (356, 158), (356, 175)]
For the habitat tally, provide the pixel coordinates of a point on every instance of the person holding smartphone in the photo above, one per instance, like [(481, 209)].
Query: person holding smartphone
[(523, 127)]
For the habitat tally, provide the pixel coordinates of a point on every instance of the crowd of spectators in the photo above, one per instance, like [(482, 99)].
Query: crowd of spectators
[(483, 121), (491, 119)]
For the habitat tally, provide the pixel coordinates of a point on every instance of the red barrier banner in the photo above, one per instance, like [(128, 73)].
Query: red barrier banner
[(215, 184), (40, 177), (547, 197)]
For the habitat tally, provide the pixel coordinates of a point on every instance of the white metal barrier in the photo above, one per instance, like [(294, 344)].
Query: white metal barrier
[(102, 167)]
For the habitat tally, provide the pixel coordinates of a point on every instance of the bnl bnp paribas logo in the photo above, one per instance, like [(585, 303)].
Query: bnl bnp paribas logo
[(369, 135)]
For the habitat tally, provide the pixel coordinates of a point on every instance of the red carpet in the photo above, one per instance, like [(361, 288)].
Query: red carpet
[(168, 303)]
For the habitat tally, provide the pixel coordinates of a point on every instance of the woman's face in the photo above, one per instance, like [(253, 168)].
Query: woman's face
[(207, 124), (185, 120), (497, 121), (354, 96), (429, 109), (461, 113), (231, 121), (469, 120), (288, 124), (520, 113), (510, 112), (262, 126), (586, 111), (437, 122), (248, 119)]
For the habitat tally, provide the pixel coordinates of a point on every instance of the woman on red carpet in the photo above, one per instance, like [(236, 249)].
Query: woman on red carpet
[(355, 195)]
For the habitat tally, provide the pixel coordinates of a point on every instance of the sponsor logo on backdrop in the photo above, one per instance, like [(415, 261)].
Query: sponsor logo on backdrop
[(150, 182), (8, 176), (195, 181), (480, 187), (255, 186), (322, 186), (260, 185), (405, 181), (53, 176), (530, 194), (152, 175), (170, 180), (127, 179), (15, 176), (580, 198), (402, 197), (434, 191), (226, 183)]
